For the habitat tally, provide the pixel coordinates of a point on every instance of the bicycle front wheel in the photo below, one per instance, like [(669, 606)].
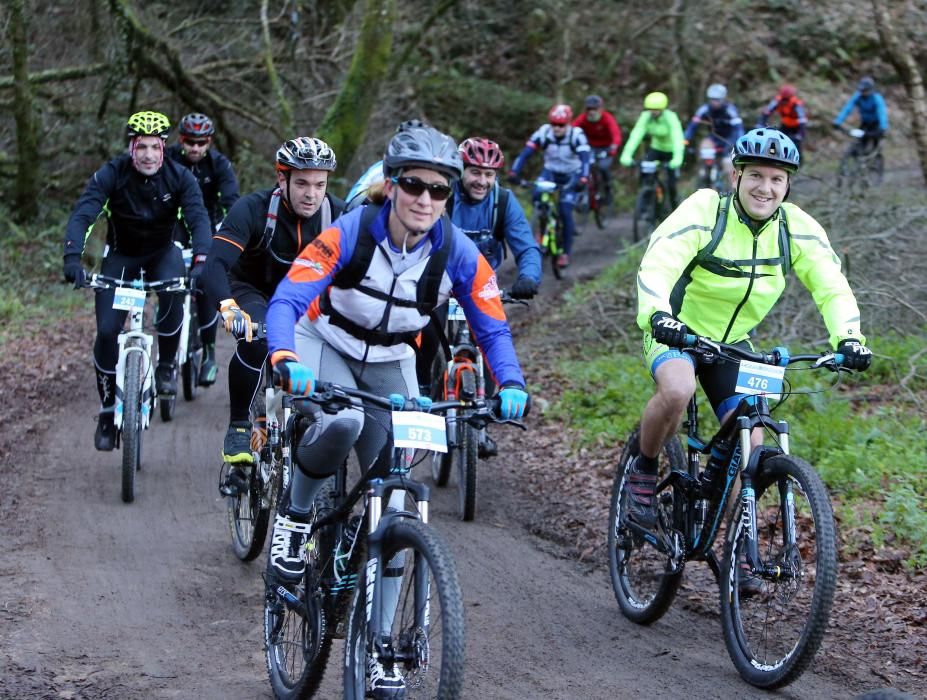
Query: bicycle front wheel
[(423, 618), (643, 578), (774, 621), (131, 424)]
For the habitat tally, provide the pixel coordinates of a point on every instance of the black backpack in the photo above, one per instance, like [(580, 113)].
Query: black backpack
[(351, 276)]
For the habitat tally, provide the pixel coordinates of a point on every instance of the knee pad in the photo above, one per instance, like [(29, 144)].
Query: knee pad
[(320, 452)]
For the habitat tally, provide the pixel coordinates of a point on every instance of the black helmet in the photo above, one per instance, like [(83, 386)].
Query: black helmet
[(594, 102), (196, 124), (418, 145)]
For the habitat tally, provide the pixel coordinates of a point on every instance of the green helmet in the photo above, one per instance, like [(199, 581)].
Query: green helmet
[(656, 100), (148, 124)]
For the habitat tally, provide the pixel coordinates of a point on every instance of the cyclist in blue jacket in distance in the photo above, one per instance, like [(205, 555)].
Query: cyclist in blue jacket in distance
[(873, 115), (359, 333), (566, 162)]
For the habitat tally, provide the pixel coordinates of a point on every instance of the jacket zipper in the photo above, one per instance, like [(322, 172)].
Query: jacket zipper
[(749, 288)]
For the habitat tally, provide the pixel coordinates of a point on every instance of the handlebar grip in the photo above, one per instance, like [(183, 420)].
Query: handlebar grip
[(838, 358)]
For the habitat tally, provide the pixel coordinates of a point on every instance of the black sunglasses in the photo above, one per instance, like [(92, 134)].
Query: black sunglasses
[(414, 187), (196, 142)]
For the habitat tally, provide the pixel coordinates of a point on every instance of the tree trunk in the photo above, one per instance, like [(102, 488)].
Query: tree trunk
[(345, 123), (898, 52), (286, 111), (27, 144)]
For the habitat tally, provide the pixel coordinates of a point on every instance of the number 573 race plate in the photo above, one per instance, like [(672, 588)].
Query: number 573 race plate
[(422, 431), (756, 378)]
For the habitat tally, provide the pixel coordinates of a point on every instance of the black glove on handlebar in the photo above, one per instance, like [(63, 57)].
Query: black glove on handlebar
[(524, 288), (74, 271), (855, 354), (668, 330)]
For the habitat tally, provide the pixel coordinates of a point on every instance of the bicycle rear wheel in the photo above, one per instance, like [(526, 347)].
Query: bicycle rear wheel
[(426, 634), (297, 638), (131, 423), (773, 626), (248, 515), (642, 577), (190, 365), (644, 222)]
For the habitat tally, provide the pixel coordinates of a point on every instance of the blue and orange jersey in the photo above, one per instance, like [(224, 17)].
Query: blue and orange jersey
[(392, 272)]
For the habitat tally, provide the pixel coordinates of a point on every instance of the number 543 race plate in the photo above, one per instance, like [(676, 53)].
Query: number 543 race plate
[(422, 431), (756, 378)]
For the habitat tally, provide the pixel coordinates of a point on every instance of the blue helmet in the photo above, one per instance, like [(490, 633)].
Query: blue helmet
[(766, 146)]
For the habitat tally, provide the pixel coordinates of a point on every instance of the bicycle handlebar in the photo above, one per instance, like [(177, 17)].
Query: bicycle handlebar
[(171, 284), (336, 396), (779, 356)]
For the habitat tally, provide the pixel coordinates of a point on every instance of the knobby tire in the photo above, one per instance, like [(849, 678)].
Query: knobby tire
[(248, 518), (190, 366), (131, 423), (466, 457), (642, 581), (442, 644), (298, 644), (773, 634)]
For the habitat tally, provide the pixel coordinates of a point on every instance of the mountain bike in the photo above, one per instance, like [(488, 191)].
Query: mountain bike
[(252, 489), (862, 165), (350, 552), (596, 198), (460, 377), (189, 355), (651, 206), (710, 171), (135, 396), (779, 568), (548, 225)]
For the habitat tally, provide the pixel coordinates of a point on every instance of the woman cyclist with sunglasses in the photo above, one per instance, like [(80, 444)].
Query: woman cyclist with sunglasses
[(359, 332)]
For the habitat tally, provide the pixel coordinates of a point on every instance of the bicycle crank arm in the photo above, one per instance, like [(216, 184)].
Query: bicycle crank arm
[(658, 542)]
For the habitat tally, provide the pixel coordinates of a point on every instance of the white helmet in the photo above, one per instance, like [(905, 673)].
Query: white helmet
[(716, 92)]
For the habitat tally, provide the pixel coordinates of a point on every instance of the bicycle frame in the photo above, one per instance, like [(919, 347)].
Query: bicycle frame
[(697, 514), (549, 208), (465, 357)]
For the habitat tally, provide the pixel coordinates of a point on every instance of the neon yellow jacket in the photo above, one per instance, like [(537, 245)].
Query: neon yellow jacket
[(665, 135), (729, 302)]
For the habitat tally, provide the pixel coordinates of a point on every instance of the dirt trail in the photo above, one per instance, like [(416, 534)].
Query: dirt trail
[(107, 600)]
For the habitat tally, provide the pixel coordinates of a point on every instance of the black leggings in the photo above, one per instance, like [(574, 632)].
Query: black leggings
[(162, 264), (248, 360), (671, 173)]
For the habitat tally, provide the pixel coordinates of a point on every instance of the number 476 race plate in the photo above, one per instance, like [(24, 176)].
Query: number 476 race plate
[(756, 378)]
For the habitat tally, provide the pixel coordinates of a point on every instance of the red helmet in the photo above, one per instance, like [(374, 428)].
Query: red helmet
[(560, 114), (787, 91), (481, 153)]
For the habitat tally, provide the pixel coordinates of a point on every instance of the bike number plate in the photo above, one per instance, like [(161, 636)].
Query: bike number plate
[(418, 430), (757, 378), (128, 299), (649, 166), (707, 154), (455, 311)]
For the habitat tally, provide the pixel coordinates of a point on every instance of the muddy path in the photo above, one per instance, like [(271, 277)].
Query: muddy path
[(106, 600)]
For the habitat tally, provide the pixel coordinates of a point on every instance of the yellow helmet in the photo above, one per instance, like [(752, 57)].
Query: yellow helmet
[(148, 124), (656, 100)]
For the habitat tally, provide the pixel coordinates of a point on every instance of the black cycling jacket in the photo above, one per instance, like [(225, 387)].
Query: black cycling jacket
[(141, 211), (216, 177), (239, 248)]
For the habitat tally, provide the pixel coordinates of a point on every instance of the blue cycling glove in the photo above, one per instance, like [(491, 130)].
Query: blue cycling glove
[(512, 403), (294, 377)]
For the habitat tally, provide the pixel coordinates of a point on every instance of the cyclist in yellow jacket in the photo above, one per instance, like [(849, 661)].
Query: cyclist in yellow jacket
[(716, 267), (667, 142)]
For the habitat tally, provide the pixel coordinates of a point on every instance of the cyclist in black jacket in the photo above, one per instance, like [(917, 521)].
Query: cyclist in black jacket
[(251, 252), (142, 194), (220, 191)]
